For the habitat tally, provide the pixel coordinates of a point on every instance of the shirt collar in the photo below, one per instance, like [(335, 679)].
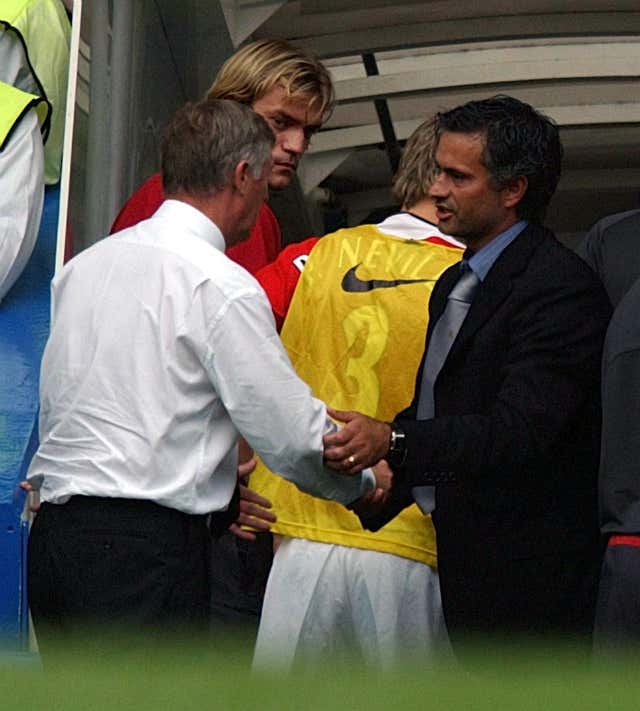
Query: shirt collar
[(482, 260), (192, 220)]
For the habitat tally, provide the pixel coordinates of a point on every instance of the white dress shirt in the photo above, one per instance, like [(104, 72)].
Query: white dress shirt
[(161, 351), (21, 198)]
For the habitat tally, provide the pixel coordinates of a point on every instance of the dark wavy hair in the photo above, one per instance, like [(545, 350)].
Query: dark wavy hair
[(519, 141)]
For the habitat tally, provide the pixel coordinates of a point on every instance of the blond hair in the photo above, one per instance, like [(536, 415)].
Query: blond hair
[(260, 66), (417, 169)]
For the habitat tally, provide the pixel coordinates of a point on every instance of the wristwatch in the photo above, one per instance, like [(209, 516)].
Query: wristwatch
[(397, 446)]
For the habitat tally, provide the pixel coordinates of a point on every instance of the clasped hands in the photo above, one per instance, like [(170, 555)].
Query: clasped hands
[(362, 442)]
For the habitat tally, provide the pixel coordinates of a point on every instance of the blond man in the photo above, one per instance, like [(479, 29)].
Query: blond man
[(292, 91)]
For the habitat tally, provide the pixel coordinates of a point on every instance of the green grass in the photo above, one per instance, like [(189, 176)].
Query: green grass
[(197, 677)]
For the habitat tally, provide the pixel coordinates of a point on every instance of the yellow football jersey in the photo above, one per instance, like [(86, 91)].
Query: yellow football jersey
[(355, 331)]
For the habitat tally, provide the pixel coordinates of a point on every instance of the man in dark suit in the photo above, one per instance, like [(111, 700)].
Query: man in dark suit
[(512, 436)]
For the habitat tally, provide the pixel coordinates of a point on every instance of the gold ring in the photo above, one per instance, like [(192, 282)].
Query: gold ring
[(351, 460)]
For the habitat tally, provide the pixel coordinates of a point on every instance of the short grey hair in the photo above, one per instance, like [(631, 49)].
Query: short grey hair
[(205, 141)]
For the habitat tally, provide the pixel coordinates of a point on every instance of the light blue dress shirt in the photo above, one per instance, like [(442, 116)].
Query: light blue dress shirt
[(482, 261)]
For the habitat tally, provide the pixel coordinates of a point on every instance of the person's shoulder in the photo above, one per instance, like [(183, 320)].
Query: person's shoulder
[(550, 267), (141, 205), (618, 221), (610, 227), (559, 270), (266, 214), (268, 227), (627, 225), (556, 257)]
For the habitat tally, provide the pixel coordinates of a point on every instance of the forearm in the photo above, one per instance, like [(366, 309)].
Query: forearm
[(273, 409)]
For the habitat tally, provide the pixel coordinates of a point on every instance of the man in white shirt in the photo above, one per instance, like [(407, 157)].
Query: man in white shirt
[(162, 351)]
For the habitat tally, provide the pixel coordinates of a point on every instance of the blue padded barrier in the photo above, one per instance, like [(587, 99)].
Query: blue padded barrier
[(24, 327)]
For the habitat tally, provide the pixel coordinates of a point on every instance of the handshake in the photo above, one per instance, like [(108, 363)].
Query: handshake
[(362, 442)]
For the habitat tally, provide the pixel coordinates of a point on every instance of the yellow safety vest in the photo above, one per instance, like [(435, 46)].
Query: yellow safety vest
[(14, 104), (45, 32), (355, 332)]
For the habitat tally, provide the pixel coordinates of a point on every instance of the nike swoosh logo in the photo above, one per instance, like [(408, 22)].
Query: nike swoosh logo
[(353, 285)]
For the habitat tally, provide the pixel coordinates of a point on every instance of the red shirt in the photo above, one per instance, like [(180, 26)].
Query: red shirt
[(280, 278), (260, 249)]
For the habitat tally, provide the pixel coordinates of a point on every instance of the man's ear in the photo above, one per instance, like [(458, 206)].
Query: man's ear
[(241, 176), (514, 190)]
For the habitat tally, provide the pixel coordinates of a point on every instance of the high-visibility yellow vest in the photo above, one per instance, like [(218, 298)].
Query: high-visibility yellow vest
[(45, 32), (355, 332), (14, 104)]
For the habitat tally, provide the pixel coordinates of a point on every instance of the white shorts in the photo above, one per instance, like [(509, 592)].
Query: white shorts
[(324, 600)]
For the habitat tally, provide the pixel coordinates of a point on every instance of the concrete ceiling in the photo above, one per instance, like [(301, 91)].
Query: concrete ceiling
[(577, 61)]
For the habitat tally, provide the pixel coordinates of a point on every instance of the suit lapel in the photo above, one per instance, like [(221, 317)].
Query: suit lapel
[(494, 290), (441, 291), (437, 303)]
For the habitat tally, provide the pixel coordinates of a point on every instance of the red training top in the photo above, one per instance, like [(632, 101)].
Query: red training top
[(260, 249), (280, 278)]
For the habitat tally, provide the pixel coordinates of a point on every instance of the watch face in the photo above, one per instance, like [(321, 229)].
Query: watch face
[(397, 439), (397, 451)]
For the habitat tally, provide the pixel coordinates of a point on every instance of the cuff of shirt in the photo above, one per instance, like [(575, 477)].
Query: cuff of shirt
[(220, 521), (625, 539), (368, 482)]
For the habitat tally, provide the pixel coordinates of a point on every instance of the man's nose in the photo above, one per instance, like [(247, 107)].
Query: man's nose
[(295, 141), (438, 188)]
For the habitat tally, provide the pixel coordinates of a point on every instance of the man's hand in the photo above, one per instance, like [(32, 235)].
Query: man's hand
[(246, 461), (361, 443), (254, 512), (254, 509), (244, 469), (34, 503), (384, 477), (371, 504)]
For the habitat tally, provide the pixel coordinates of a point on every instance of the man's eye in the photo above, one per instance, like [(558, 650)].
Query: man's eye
[(278, 122)]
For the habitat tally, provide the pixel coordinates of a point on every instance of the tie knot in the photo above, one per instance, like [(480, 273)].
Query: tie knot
[(466, 286)]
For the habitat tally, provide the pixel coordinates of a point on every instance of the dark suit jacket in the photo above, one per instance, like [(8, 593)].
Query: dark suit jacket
[(612, 249), (515, 440), (620, 456)]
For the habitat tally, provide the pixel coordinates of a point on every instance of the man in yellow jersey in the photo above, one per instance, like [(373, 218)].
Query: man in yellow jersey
[(359, 307)]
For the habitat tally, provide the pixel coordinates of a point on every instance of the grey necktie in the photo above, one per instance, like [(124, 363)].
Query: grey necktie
[(442, 337)]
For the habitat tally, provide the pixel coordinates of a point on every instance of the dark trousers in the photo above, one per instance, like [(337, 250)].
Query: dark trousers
[(117, 566), (548, 599), (239, 572), (617, 626)]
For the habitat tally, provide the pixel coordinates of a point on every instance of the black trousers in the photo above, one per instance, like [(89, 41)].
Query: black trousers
[(548, 599), (239, 572), (117, 566), (617, 626)]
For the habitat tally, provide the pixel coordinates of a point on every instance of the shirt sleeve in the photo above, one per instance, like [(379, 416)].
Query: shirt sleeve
[(280, 278), (21, 198), (268, 403)]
